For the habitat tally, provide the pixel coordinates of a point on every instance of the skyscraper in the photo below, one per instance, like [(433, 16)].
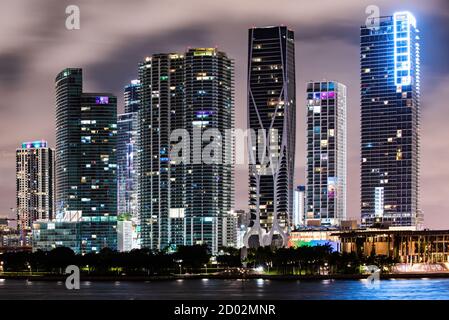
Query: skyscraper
[(209, 114), (86, 132), (127, 159), (35, 183), (326, 152), (69, 88), (161, 181), (271, 117), (390, 121), (182, 198), (132, 96)]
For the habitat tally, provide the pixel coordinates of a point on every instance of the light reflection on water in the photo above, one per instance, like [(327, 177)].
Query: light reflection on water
[(408, 289)]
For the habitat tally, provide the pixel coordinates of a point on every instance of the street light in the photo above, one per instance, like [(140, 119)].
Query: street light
[(180, 265)]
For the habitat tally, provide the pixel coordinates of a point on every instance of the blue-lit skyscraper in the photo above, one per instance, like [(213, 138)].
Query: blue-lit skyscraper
[(86, 134), (390, 121), (127, 158)]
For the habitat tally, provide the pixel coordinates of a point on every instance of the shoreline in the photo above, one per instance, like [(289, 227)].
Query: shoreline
[(106, 278)]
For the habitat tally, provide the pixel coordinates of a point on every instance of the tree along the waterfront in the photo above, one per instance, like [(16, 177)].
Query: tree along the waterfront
[(305, 260)]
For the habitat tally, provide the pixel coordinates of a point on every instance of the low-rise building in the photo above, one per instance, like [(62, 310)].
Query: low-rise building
[(314, 237), (11, 239), (124, 235), (407, 246), (48, 235)]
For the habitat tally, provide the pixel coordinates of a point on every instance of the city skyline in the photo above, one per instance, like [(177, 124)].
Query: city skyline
[(353, 160)]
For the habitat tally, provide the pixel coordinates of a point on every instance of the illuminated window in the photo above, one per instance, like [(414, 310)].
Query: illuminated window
[(399, 155), (323, 143)]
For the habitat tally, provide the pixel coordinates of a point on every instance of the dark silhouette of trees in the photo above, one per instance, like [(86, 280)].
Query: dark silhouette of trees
[(230, 258), (16, 261), (59, 258), (304, 260), (193, 257)]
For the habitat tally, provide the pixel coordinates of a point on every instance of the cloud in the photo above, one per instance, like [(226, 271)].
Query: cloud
[(115, 35)]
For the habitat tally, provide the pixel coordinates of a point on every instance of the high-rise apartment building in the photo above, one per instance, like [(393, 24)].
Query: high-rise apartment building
[(162, 181), (390, 121), (326, 153), (86, 162), (209, 114), (187, 100), (272, 118), (35, 183)]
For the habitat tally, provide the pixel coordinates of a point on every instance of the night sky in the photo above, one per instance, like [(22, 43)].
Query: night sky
[(115, 35)]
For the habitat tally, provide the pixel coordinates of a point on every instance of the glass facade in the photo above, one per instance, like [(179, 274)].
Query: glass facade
[(69, 88), (48, 235), (390, 122), (162, 182), (127, 163), (98, 171), (209, 90), (86, 137), (326, 152), (272, 118), (182, 200), (127, 159)]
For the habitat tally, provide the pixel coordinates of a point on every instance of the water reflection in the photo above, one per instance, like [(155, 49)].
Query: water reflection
[(422, 288)]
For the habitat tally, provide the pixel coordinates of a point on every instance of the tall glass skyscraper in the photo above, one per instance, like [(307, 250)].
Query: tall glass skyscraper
[(127, 160), (390, 121), (182, 199), (326, 153), (86, 134), (162, 185), (35, 183), (272, 118), (209, 114), (69, 88)]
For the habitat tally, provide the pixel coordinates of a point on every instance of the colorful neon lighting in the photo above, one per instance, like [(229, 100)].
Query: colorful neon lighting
[(102, 100), (34, 144)]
